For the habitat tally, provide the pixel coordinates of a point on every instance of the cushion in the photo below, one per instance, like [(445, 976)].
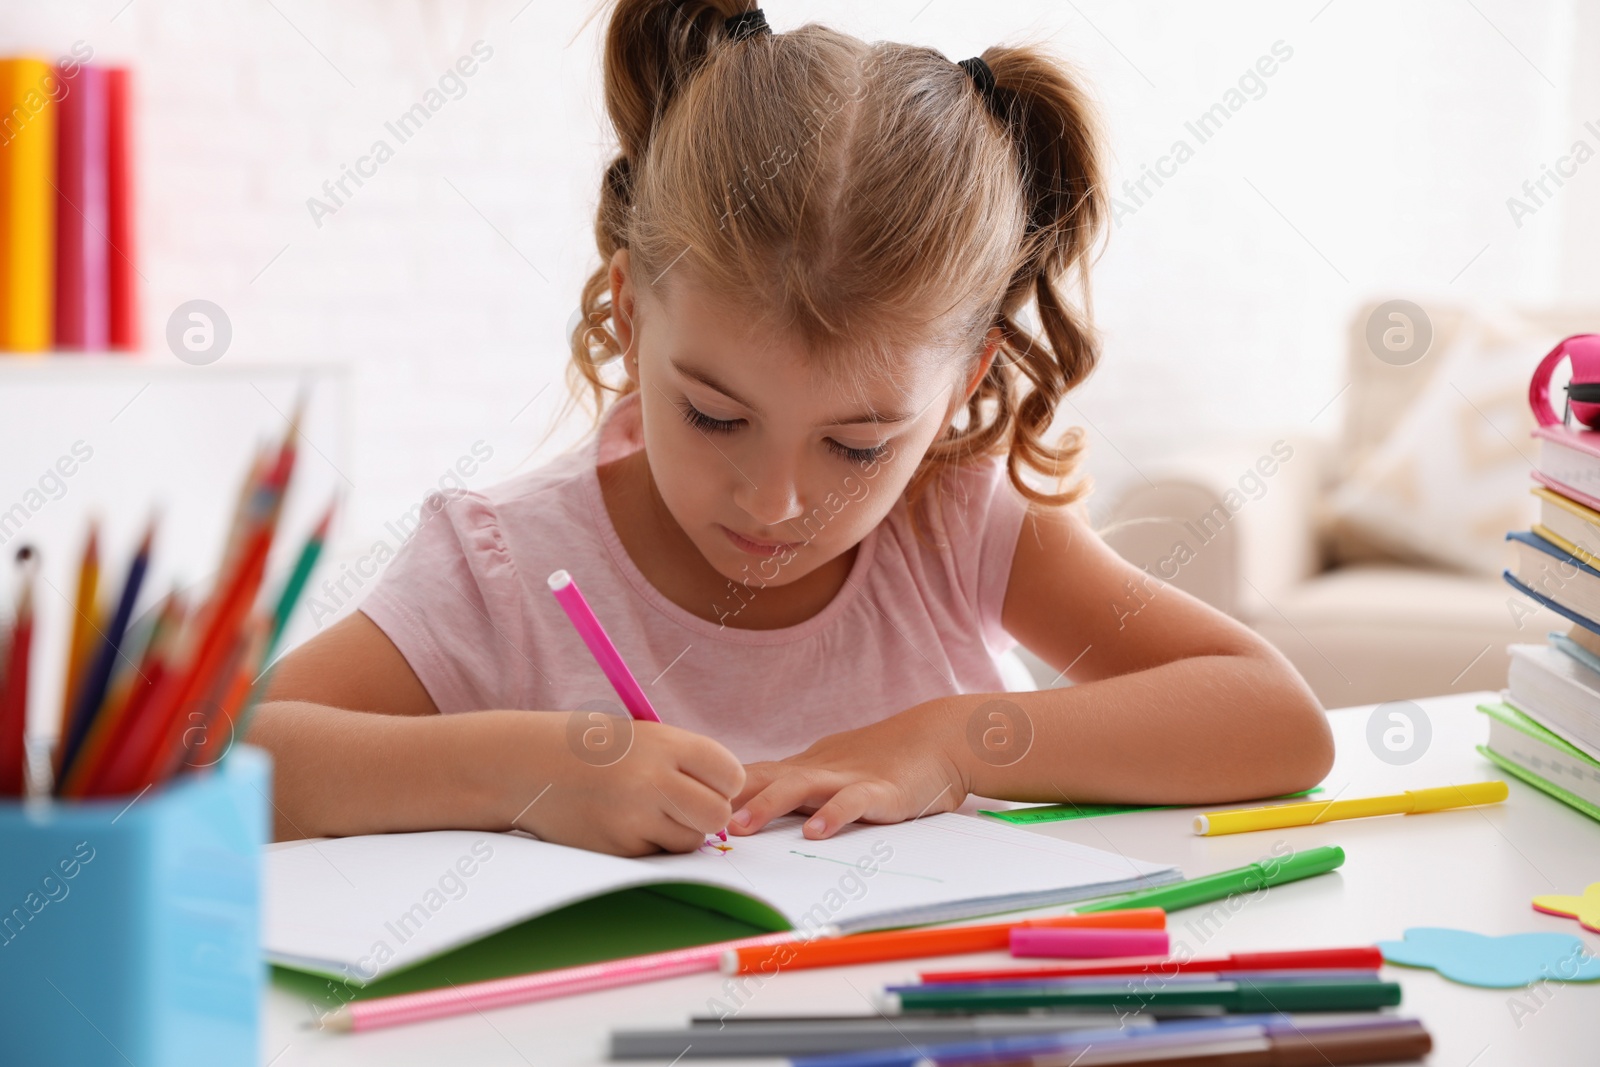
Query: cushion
[(1452, 476)]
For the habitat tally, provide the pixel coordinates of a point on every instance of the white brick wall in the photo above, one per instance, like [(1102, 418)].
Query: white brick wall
[(1390, 142)]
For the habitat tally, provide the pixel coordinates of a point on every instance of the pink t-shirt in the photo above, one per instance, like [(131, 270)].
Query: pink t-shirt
[(466, 603)]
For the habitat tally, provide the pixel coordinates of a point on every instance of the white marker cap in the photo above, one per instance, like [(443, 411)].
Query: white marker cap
[(1201, 824), (559, 579)]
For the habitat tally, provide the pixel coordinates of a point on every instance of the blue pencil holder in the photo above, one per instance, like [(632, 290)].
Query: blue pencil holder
[(130, 932)]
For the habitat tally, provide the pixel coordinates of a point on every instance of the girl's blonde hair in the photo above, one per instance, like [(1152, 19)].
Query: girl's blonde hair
[(865, 196)]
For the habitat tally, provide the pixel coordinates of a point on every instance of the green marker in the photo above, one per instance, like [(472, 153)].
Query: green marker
[(1063, 812), (1244, 995), (1246, 879)]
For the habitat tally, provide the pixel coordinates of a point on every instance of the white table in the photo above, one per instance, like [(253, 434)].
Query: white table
[(1475, 869)]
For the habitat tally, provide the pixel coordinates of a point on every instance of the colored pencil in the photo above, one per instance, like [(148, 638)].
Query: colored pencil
[(86, 622), (14, 695), (93, 691), (162, 750), (144, 695), (914, 944), (1366, 957), (154, 746), (213, 735), (303, 566), (541, 985), (111, 726), (250, 699), (164, 722)]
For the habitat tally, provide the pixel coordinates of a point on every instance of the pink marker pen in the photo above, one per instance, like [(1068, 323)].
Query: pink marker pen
[(605, 653)]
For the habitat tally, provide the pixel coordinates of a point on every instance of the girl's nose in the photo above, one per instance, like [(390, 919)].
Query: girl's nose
[(769, 494)]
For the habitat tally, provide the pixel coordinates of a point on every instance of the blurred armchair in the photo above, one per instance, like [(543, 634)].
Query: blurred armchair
[(1362, 621)]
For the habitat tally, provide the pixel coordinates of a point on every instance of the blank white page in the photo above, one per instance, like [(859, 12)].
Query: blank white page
[(349, 901), (930, 869)]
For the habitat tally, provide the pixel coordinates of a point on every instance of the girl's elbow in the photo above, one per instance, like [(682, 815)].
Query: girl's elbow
[(1310, 746)]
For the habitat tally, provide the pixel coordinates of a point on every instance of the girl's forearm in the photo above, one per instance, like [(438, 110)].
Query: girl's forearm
[(1201, 730), (338, 772)]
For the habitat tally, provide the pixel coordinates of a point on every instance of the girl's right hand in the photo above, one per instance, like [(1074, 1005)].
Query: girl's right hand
[(622, 786)]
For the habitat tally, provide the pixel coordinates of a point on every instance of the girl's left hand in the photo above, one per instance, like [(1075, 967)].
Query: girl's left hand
[(887, 772)]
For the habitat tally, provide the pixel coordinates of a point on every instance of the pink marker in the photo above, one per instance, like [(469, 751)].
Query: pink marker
[(1064, 943), (605, 653), (481, 996)]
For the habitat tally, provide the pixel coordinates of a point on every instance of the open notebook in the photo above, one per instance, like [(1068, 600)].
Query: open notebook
[(359, 908)]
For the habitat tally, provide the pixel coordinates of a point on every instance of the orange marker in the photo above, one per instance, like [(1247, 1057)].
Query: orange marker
[(913, 944)]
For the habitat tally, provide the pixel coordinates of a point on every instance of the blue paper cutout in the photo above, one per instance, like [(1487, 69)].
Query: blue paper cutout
[(1496, 962)]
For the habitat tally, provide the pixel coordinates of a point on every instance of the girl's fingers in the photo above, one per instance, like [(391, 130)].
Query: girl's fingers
[(692, 804), (706, 760), (666, 832), (790, 791), (757, 776), (849, 804)]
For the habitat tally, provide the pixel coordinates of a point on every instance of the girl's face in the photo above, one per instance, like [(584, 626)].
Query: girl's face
[(770, 468)]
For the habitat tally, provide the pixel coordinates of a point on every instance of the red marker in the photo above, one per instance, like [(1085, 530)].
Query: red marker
[(1364, 958)]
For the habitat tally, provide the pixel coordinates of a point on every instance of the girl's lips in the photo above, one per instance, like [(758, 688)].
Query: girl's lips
[(756, 548)]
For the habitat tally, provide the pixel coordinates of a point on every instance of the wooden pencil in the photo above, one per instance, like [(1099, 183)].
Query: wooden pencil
[(136, 765), (209, 739), (14, 699), (92, 694), (87, 621), (112, 726)]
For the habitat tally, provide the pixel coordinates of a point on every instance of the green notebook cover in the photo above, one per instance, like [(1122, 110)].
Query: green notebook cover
[(1509, 715), (630, 922)]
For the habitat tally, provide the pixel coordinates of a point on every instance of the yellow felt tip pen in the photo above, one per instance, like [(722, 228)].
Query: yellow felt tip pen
[(1411, 802)]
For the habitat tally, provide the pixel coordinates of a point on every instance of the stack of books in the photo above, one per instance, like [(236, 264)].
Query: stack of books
[(67, 268), (1546, 727)]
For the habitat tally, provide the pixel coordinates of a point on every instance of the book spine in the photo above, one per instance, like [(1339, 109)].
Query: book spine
[(82, 311), (28, 113), (122, 288)]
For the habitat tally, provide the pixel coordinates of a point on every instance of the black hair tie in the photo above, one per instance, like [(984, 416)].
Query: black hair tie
[(981, 76), (750, 23)]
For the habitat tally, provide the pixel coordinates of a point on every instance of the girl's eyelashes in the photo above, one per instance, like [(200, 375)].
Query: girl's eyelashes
[(859, 455), (701, 421)]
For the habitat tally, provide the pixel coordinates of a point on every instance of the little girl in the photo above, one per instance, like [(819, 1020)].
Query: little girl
[(808, 515)]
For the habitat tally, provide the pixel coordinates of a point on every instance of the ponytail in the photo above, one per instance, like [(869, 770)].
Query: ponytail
[(1056, 139)]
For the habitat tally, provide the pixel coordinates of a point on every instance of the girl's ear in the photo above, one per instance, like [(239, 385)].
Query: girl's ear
[(991, 344), (622, 312)]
